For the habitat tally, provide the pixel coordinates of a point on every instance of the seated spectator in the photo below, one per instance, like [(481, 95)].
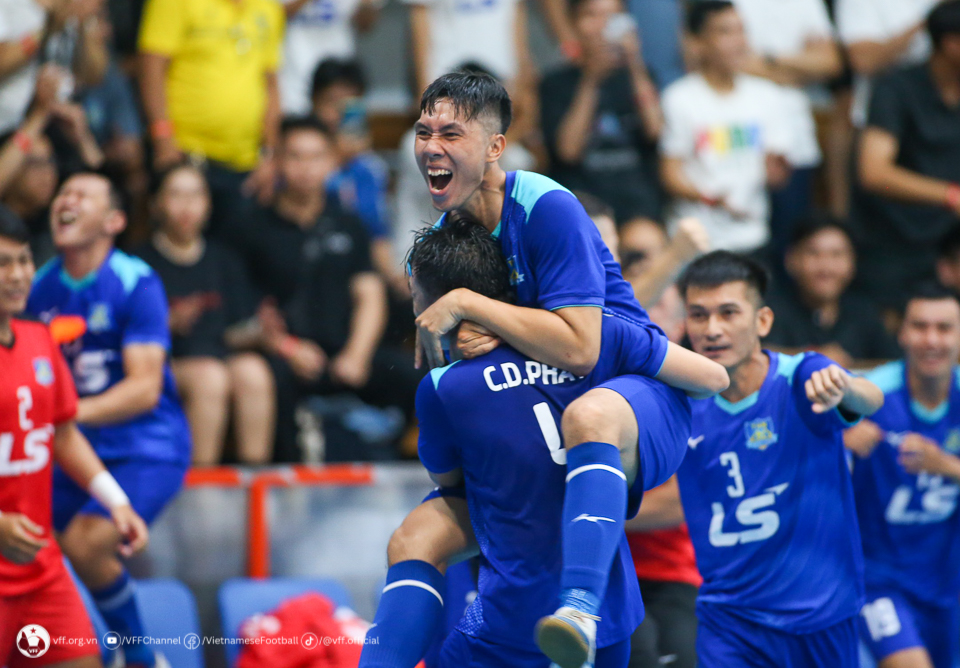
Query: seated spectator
[(361, 183), (816, 311), (600, 116), (909, 166), (879, 35), (313, 260), (793, 45), (211, 309), (948, 260), (724, 139), (317, 30)]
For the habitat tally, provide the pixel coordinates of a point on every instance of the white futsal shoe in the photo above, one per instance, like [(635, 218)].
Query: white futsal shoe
[(569, 638)]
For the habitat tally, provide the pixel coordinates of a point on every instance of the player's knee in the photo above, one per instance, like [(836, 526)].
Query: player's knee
[(404, 546), (588, 419)]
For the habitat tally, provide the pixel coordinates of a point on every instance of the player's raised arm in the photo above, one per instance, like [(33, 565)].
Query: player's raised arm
[(835, 387), (693, 373)]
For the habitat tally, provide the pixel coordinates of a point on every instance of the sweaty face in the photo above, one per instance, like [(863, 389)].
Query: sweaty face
[(822, 265), (81, 212), (16, 275), (451, 154), (184, 204), (724, 323), (724, 42), (930, 336), (307, 160)]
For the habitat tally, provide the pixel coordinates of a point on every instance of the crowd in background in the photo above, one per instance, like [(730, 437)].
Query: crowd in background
[(822, 137)]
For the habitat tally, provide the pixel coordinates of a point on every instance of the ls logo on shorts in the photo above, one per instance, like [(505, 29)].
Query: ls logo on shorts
[(43, 371), (760, 434)]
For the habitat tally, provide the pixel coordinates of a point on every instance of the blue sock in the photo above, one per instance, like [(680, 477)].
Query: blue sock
[(594, 510), (408, 618), (118, 605)]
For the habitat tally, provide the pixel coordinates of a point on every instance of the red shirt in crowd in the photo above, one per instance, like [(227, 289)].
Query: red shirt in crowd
[(36, 393), (664, 555)]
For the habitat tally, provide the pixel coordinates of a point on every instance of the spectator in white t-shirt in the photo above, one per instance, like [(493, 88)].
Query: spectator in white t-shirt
[(793, 45), (880, 34), (317, 30), (488, 33), (724, 141)]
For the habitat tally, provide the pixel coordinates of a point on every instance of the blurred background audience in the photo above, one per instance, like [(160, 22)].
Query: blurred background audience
[(682, 125)]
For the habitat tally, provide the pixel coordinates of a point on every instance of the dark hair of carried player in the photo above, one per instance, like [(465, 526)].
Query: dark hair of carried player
[(722, 267), (12, 228), (473, 95), (460, 254)]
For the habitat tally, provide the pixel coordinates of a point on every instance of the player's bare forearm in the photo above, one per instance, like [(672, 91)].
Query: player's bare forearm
[(693, 373), (74, 454), (862, 397), (137, 393), (567, 338), (661, 509)]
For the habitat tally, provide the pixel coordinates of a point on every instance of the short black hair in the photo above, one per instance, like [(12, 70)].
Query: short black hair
[(700, 12), (811, 225), (472, 94), (460, 253), (333, 71), (943, 20), (931, 291), (594, 206), (12, 227), (114, 193), (949, 246), (721, 267), (292, 124)]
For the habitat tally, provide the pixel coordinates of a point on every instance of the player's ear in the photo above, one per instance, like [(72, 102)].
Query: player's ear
[(497, 144), (764, 320), (116, 222)]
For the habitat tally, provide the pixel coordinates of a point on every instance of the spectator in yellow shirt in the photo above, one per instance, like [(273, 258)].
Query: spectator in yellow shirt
[(209, 88)]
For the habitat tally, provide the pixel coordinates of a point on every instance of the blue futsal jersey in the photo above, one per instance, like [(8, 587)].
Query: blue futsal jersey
[(122, 303), (909, 523), (496, 417), (767, 496), (555, 252)]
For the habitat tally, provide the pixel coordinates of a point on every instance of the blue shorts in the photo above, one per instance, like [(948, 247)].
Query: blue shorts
[(663, 422), (463, 651), (725, 640), (149, 484), (893, 620)]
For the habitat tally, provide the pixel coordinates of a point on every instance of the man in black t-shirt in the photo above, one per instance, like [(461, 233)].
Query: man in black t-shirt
[(815, 310), (326, 308), (601, 116), (910, 165)]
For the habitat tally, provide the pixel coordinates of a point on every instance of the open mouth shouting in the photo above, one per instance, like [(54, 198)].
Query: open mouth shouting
[(439, 179)]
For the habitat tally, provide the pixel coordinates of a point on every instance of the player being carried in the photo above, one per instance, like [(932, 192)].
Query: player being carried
[(906, 487), (38, 403), (765, 486), (566, 281), (110, 313)]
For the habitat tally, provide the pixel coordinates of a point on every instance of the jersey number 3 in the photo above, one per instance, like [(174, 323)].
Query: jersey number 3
[(754, 511), (36, 442)]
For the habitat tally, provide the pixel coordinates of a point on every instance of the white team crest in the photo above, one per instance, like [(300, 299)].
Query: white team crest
[(43, 371), (99, 318), (952, 442)]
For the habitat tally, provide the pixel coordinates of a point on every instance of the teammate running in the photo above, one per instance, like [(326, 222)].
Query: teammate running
[(566, 280), (765, 485), (37, 407), (906, 489), (111, 312)]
